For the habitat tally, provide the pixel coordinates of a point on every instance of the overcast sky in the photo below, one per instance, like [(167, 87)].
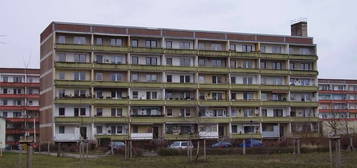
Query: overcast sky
[(332, 23)]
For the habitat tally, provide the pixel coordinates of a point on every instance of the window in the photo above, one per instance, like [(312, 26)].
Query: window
[(277, 65), (119, 129), (115, 42), (61, 39), (99, 59), (99, 111), (4, 114), (134, 60), (135, 77), (83, 111), (4, 102), (118, 60), (276, 49), (247, 48), (217, 96), (61, 129), (169, 78), (278, 112), (135, 95), (264, 113), (116, 77), (99, 94), (168, 44), (184, 79), (216, 47), (151, 77), (184, 45), (79, 76), (99, 129), (5, 79), (17, 114), (98, 41), (99, 76), (79, 40), (234, 129), (151, 95), (17, 79), (248, 64), (4, 91), (216, 79), (232, 47), (169, 112), (150, 43), (151, 61), (80, 58), (61, 111), (247, 80), (134, 43), (116, 112), (76, 112), (185, 61), (168, 61), (61, 57)]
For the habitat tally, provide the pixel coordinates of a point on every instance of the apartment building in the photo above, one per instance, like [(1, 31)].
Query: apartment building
[(135, 83), (19, 103), (338, 106)]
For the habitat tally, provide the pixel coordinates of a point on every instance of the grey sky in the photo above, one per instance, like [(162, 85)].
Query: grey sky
[(330, 22)]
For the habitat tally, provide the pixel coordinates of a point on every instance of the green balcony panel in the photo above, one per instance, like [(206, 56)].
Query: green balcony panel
[(73, 101), (72, 83), (72, 47), (147, 120), (113, 137), (213, 69), (276, 119), (304, 88), (245, 119), (213, 53), (274, 72), (146, 85), (73, 65), (274, 87), (110, 101), (304, 104), (110, 119), (245, 87), (180, 136), (181, 102), (213, 86), (303, 73), (180, 52), (246, 103), (245, 54), (111, 84), (78, 120), (214, 119), (147, 50), (244, 70), (275, 103), (181, 85), (246, 136), (214, 103), (180, 119), (147, 102), (111, 67), (147, 67), (305, 119), (274, 56), (111, 48), (181, 68), (303, 57)]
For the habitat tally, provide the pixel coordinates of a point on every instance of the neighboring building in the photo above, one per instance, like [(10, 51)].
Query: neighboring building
[(117, 82), (2, 133), (338, 106), (19, 102)]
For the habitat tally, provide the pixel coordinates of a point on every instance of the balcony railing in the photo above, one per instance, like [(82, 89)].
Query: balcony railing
[(246, 136), (141, 136), (208, 135), (180, 136), (112, 137)]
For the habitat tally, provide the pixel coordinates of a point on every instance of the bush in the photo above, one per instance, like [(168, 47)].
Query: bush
[(171, 152)]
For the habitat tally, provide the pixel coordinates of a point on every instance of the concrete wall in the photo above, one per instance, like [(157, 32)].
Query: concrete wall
[(2, 132)]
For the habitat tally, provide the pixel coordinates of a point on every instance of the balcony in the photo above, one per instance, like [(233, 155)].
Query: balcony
[(213, 86), (246, 103), (303, 57), (181, 68), (72, 83), (246, 119), (180, 51), (221, 53), (244, 70), (72, 47), (276, 119), (112, 84), (75, 120), (180, 102), (180, 85), (147, 102), (111, 48), (112, 137), (275, 103), (208, 135), (147, 50), (213, 69), (214, 103), (274, 87), (180, 136), (245, 86), (246, 136), (303, 73), (245, 54), (73, 101), (180, 119), (146, 84), (147, 119), (214, 119), (141, 136), (274, 56), (304, 88), (110, 101), (73, 65), (110, 119), (304, 104), (111, 67), (66, 137), (274, 71)]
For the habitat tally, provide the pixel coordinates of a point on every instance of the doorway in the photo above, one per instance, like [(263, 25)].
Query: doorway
[(83, 132)]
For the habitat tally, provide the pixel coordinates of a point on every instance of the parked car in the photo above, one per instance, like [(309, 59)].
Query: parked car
[(222, 144), (181, 145), (252, 143), (117, 145)]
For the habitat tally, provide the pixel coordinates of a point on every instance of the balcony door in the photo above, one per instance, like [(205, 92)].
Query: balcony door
[(83, 132), (155, 132)]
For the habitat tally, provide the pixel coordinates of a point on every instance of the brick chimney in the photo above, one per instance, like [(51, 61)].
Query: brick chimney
[(299, 29)]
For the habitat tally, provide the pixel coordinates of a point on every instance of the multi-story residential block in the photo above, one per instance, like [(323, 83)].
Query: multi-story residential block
[(117, 82), (338, 106), (19, 103)]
